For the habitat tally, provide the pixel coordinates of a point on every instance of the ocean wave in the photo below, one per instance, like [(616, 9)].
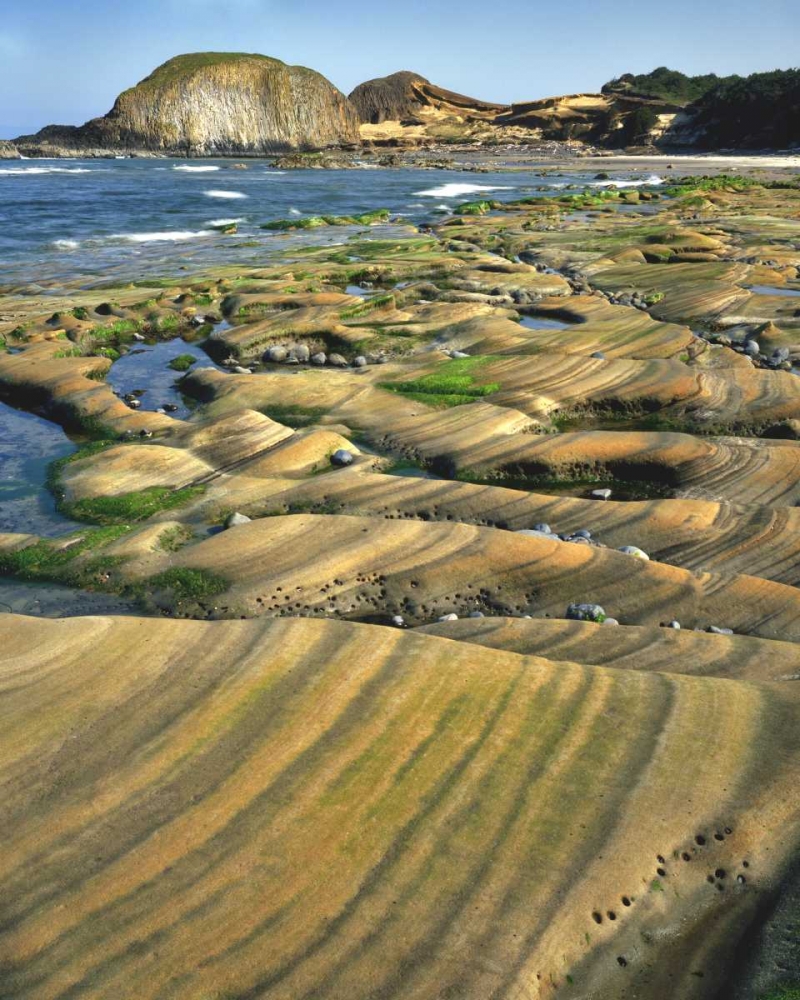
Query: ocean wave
[(457, 190), (652, 181), (224, 194), (175, 236), (295, 211), (225, 222), (21, 171), (196, 170), (66, 244)]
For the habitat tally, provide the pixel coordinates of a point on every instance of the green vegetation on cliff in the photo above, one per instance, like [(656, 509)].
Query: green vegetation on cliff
[(666, 85), (758, 111)]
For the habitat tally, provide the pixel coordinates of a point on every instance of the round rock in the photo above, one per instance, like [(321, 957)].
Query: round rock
[(342, 457), (235, 519), (586, 613)]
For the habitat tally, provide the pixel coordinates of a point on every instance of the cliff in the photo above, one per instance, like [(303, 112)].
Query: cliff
[(407, 95), (216, 103)]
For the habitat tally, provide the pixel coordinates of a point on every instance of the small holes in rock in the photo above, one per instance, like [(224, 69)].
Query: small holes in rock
[(700, 840), (745, 864), (621, 960), (728, 830), (721, 887), (741, 879), (710, 878), (611, 915), (661, 871), (719, 836), (660, 859), (720, 873), (686, 857), (597, 918), (626, 901)]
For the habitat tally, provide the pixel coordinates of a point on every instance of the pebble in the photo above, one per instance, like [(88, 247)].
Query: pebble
[(545, 529), (581, 533), (533, 533), (611, 621), (449, 618), (319, 359), (301, 354), (398, 620), (337, 360), (134, 404), (242, 371), (458, 354), (138, 336), (752, 348), (235, 519), (586, 613), (601, 494), (634, 550), (170, 407), (145, 433), (476, 614), (276, 354), (719, 631), (342, 457), (360, 361), (598, 355), (674, 624)]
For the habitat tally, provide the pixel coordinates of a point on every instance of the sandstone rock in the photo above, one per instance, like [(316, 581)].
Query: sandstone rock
[(219, 102)]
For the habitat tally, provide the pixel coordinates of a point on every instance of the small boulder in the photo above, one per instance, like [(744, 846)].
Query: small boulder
[(319, 359), (635, 551), (337, 360), (752, 348), (300, 353), (235, 519), (601, 494), (545, 529), (360, 361), (449, 618), (582, 533), (674, 624), (341, 458), (242, 371), (276, 354)]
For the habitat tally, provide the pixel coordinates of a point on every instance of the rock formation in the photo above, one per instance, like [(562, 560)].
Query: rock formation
[(407, 95), (215, 103)]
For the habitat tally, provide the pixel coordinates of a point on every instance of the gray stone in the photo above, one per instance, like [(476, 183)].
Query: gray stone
[(674, 624), (449, 618), (719, 631), (752, 348), (300, 353), (582, 533), (138, 336), (235, 519), (601, 494), (276, 354), (134, 404), (242, 371), (611, 621), (533, 533), (319, 359), (544, 528), (398, 620), (586, 613), (337, 360), (459, 354), (476, 614), (342, 457), (360, 361), (633, 550)]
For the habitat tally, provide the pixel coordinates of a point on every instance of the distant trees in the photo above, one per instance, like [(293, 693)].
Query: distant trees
[(666, 85), (758, 111)]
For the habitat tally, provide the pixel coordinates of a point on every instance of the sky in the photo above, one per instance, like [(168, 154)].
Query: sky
[(65, 61)]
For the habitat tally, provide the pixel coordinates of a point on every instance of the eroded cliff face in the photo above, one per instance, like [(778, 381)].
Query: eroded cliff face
[(407, 95), (217, 103)]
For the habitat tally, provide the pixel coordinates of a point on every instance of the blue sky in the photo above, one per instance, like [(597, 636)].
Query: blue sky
[(64, 61)]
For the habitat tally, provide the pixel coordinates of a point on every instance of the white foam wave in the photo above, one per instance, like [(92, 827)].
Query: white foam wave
[(457, 190), (196, 170), (295, 211), (12, 171), (66, 244), (225, 222), (224, 194), (652, 181), (176, 236)]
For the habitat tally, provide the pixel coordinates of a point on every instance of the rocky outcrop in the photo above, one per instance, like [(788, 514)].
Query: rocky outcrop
[(406, 95), (8, 151), (215, 104)]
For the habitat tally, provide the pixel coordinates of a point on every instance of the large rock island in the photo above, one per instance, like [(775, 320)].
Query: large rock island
[(214, 103)]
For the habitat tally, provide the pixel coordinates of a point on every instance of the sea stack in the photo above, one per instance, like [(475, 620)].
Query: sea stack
[(216, 103)]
